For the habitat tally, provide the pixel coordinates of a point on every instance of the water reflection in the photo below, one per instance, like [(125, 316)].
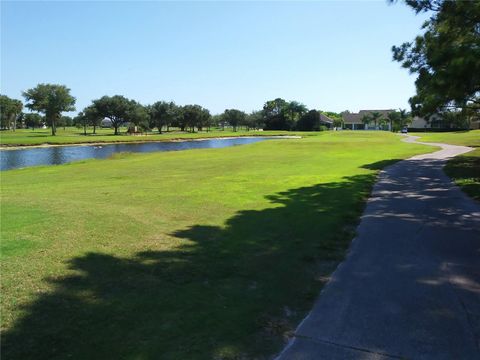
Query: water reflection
[(14, 159)]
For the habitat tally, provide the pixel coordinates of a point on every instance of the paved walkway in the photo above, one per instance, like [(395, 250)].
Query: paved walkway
[(410, 286)]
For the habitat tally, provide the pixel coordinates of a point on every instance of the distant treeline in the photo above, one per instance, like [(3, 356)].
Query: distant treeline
[(49, 101)]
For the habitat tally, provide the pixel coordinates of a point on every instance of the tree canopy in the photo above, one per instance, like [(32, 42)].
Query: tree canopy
[(195, 116), (446, 57), (234, 117), (163, 113), (10, 109), (282, 115), (51, 100), (117, 108)]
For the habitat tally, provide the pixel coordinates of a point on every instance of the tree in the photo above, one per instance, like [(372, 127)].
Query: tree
[(375, 116), (89, 116), (162, 114), (65, 121), (137, 115), (217, 120), (293, 111), (50, 99), (82, 120), (117, 108), (94, 118), (394, 120), (274, 115), (10, 109), (446, 57), (455, 119), (309, 121), (194, 116), (404, 118), (33, 120), (366, 119), (255, 120), (234, 117), (204, 119)]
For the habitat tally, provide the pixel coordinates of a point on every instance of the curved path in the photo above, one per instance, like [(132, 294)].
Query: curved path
[(410, 286)]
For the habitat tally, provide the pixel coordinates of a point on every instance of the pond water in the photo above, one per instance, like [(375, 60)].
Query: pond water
[(55, 155)]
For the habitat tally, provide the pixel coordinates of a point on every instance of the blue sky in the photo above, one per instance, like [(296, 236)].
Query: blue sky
[(330, 55)]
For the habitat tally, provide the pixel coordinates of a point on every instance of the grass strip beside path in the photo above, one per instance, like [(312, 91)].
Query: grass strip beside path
[(205, 254), (464, 169)]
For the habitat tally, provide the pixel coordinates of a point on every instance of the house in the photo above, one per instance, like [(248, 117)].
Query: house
[(326, 121), (354, 121)]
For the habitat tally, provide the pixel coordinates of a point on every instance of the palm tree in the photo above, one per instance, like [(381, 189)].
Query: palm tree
[(366, 119), (375, 116), (393, 117), (404, 117)]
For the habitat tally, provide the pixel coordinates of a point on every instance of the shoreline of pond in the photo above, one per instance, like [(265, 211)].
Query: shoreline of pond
[(173, 140)]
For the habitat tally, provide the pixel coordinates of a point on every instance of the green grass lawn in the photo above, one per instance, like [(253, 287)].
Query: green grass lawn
[(198, 254), (73, 135), (464, 169)]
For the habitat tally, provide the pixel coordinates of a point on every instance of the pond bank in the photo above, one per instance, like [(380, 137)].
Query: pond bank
[(98, 143)]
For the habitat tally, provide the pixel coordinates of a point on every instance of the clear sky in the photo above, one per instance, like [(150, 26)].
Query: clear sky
[(329, 55)]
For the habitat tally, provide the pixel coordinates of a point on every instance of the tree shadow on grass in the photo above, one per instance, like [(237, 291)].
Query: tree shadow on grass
[(227, 292), (379, 165)]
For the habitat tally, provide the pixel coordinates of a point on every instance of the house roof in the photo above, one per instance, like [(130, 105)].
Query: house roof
[(325, 119), (356, 118)]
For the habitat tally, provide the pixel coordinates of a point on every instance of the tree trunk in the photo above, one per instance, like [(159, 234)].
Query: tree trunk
[(94, 129), (116, 129), (85, 129), (160, 129), (54, 129)]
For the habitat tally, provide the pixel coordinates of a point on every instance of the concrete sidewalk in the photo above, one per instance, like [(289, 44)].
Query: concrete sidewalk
[(410, 286)]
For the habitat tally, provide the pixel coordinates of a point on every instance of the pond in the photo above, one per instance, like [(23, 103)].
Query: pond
[(55, 155)]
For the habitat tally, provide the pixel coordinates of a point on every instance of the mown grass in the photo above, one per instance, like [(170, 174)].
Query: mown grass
[(71, 135), (198, 254), (463, 169)]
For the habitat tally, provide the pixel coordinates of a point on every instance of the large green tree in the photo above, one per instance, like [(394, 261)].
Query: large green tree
[(194, 116), (138, 116), (117, 108), (51, 100), (293, 111), (162, 114), (234, 117), (309, 121), (274, 115), (10, 109), (446, 56)]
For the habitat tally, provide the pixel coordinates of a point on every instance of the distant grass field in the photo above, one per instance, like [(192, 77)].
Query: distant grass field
[(198, 254), (464, 169), (73, 135)]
